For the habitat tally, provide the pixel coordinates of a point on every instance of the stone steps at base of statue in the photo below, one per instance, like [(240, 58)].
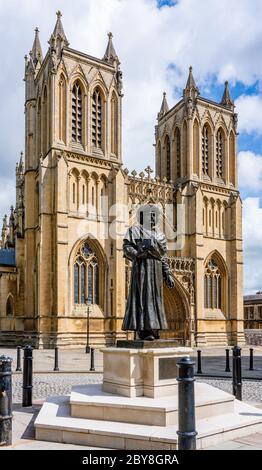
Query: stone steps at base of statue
[(90, 402), (55, 424)]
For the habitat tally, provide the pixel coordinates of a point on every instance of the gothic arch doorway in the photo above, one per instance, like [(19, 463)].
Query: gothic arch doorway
[(177, 314)]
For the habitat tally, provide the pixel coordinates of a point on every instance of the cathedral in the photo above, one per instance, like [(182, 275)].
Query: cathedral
[(62, 271)]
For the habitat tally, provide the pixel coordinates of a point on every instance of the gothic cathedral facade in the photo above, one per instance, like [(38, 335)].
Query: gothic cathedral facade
[(62, 271)]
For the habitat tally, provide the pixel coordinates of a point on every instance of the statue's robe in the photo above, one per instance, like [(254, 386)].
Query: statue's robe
[(145, 307)]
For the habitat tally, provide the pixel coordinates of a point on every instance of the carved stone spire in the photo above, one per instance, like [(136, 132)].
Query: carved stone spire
[(226, 98), (110, 54), (58, 32), (191, 89), (37, 55), (164, 107), (190, 94)]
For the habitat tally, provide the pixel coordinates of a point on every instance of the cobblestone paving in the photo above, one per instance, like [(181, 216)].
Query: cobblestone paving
[(45, 385), (251, 389)]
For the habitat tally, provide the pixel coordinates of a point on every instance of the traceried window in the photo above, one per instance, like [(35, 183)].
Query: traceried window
[(219, 153), (212, 285), (205, 149), (114, 124), (178, 152), (62, 109), (159, 160), (77, 114), (86, 276), (168, 162), (97, 119)]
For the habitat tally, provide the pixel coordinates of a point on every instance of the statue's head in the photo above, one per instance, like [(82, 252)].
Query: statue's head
[(148, 216)]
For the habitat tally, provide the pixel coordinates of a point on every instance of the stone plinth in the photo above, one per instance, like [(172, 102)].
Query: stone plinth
[(137, 372), (142, 344)]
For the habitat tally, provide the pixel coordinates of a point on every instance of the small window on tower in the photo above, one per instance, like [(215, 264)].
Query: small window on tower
[(220, 153), (97, 119), (77, 113)]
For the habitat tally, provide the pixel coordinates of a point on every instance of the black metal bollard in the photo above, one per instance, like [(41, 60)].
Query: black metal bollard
[(92, 360), (27, 376), (237, 375), (18, 359), (56, 367), (251, 359), (199, 365), (227, 369), (186, 405), (5, 401)]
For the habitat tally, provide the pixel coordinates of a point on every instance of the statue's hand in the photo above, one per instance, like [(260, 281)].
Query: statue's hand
[(141, 251), (170, 282), (141, 254)]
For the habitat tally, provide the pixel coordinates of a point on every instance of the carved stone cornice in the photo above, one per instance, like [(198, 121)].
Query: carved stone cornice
[(95, 161), (217, 189)]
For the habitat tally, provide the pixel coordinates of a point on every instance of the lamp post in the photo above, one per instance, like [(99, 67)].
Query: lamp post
[(87, 326)]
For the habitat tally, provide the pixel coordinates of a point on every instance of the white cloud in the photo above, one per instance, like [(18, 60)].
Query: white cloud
[(249, 108), (252, 234), (250, 171), (147, 40)]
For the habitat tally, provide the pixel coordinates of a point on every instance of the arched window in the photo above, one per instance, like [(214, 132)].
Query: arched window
[(77, 114), (159, 160), (114, 124), (9, 306), (196, 148), (232, 159), (86, 276), (178, 152), (212, 285), (220, 151), (97, 119), (185, 149), (62, 109), (168, 162), (205, 149), (39, 127)]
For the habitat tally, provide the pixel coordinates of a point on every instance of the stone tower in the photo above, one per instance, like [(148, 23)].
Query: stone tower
[(62, 271), (73, 144), (196, 142)]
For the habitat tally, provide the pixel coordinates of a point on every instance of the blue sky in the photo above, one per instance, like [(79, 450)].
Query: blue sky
[(156, 41)]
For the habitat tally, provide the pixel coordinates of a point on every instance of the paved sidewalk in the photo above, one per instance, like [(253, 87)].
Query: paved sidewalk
[(76, 360), (69, 360), (23, 436), (24, 433)]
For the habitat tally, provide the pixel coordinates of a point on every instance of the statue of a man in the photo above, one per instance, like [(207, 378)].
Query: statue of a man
[(145, 245)]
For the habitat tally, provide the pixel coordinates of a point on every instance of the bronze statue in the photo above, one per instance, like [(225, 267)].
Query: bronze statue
[(145, 245)]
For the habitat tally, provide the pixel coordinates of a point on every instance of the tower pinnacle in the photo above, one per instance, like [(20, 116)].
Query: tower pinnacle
[(164, 107), (59, 33), (110, 54), (36, 52), (226, 98)]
